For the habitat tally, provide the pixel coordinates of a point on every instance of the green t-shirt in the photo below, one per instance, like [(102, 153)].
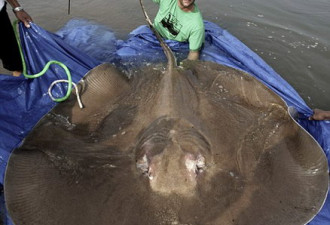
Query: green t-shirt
[(175, 24)]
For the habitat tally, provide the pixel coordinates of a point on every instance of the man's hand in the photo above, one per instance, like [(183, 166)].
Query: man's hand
[(193, 55), (20, 13), (24, 17), (320, 115)]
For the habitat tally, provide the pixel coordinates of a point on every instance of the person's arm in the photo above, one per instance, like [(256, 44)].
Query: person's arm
[(320, 115), (196, 41), (193, 55), (20, 13)]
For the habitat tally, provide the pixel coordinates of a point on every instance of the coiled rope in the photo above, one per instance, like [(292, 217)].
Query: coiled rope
[(44, 70)]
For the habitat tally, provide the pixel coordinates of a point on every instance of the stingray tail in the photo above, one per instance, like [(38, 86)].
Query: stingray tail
[(168, 52)]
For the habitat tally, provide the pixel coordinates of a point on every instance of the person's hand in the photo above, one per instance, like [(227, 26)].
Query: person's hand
[(320, 115), (24, 17), (193, 55)]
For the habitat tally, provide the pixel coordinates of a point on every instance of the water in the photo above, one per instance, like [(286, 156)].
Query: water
[(290, 35)]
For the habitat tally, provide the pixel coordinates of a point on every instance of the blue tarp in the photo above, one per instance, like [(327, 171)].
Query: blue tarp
[(25, 101)]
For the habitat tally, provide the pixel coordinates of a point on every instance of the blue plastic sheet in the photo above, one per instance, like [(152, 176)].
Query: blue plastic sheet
[(24, 102)]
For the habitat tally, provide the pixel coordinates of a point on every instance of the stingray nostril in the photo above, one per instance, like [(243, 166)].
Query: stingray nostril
[(150, 174), (200, 159), (145, 168), (195, 164), (200, 164), (143, 165)]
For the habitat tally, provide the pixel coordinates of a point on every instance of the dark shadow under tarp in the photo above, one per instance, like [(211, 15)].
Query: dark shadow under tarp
[(25, 101)]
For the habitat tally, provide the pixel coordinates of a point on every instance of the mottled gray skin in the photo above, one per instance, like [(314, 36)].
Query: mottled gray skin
[(201, 144)]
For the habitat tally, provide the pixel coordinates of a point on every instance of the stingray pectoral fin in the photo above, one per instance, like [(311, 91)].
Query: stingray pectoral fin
[(101, 86), (43, 189), (104, 83)]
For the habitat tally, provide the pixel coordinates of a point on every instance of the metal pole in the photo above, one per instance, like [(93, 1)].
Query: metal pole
[(69, 7)]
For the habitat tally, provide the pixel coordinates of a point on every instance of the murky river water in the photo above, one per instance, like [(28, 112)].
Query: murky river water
[(293, 36)]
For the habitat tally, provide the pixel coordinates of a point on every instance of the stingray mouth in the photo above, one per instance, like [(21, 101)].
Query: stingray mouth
[(172, 154)]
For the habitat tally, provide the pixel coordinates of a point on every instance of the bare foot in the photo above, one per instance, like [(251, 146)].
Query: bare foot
[(17, 73)]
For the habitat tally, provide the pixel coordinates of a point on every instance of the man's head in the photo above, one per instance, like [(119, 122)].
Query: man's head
[(186, 5)]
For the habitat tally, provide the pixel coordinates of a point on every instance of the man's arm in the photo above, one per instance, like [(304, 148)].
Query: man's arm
[(193, 55), (196, 41), (20, 13)]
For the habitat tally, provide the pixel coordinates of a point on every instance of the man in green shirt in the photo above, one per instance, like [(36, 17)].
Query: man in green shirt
[(181, 20)]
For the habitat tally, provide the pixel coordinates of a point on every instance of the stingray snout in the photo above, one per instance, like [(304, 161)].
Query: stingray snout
[(173, 170), (194, 165)]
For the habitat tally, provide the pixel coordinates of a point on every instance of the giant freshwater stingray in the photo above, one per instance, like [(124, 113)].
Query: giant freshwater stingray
[(199, 144)]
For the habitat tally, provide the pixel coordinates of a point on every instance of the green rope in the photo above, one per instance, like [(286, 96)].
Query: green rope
[(43, 71)]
